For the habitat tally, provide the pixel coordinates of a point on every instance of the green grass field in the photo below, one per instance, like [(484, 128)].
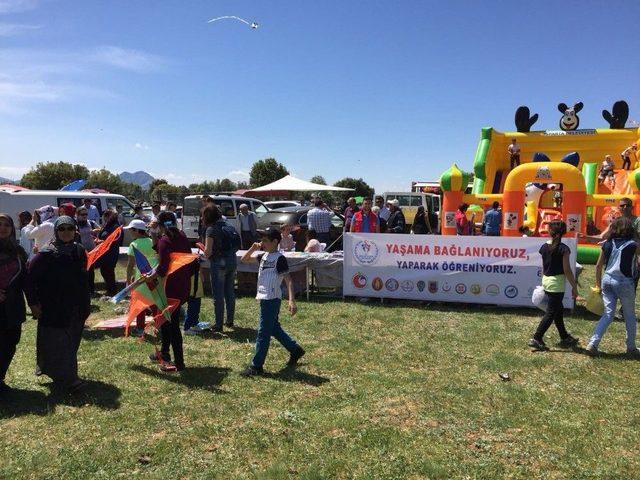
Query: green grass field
[(400, 390)]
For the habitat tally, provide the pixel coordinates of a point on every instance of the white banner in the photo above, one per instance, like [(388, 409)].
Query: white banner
[(493, 270)]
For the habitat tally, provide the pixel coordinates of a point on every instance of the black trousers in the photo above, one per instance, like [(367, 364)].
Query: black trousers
[(9, 339), (91, 277), (514, 161), (172, 337), (108, 272), (554, 314), (626, 163)]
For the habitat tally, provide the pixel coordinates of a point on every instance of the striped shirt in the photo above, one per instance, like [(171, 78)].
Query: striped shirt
[(273, 268)]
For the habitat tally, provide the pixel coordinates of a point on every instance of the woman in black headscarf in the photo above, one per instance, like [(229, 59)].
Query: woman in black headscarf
[(12, 308), (108, 261), (58, 293), (421, 225)]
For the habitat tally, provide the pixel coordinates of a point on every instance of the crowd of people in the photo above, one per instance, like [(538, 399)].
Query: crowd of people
[(48, 268), (46, 264)]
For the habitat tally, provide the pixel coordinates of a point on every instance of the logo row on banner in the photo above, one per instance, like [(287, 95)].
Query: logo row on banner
[(492, 270)]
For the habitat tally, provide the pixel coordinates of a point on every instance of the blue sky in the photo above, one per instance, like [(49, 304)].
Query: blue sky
[(391, 91)]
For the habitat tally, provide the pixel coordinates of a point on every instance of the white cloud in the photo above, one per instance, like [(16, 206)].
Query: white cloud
[(12, 29), (13, 172), (140, 146), (238, 175), (127, 59), (30, 76), (12, 6)]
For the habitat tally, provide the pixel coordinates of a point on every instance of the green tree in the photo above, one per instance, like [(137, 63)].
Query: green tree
[(362, 189), (53, 176), (165, 192), (319, 179), (133, 192), (105, 180), (156, 182), (266, 171), (242, 185)]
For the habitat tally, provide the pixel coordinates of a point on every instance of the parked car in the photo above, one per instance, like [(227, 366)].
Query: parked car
[(274, 204), (229, 206), (297, 217)]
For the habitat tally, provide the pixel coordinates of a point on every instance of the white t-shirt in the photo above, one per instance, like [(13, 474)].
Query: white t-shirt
[(514, 149), (42, 235), (273, 268), (628, 152), (25, 241)]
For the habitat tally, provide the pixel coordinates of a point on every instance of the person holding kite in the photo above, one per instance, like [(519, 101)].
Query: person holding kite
[(176, 288), (109, 259), (143, 243), (57, 289), (13, 260)]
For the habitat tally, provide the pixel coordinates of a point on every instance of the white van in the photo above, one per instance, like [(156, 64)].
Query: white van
[(409, 203), (13, 202), (229, 206)]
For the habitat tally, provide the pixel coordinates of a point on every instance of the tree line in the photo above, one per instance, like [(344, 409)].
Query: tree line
[(55, 175)]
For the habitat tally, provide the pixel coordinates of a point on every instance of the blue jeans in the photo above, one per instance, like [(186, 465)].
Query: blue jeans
[(612, 290), (193, 313), (223, 275), (270, 327)]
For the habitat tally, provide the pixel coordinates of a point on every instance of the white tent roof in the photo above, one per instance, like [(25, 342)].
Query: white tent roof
[(293, 184)]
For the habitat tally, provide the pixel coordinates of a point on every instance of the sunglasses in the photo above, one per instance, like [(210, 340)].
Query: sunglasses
[(66, 229), (625, 205)]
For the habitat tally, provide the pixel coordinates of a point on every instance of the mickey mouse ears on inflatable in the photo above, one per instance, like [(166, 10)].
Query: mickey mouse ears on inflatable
[(616, 118)]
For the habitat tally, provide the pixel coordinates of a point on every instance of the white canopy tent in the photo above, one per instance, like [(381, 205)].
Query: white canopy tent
[(292, 184)]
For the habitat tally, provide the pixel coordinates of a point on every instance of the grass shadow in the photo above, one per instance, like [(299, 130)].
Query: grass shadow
[(241, 334), (19, 402), (203, 378), (292, 374)]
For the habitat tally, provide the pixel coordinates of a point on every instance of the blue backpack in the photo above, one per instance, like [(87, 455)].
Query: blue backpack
[(230, 241)]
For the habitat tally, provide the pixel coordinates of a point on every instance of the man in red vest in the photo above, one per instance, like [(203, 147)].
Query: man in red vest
[(364, 220)]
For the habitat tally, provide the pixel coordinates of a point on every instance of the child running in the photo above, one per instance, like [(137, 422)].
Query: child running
[(144, 245), (618, 258), (272, 271), (556, 271)]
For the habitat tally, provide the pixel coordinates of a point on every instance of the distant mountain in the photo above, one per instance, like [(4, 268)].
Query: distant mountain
[(6, 180), (139, 178)]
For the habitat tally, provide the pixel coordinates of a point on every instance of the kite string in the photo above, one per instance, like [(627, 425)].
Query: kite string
[(229, 17)]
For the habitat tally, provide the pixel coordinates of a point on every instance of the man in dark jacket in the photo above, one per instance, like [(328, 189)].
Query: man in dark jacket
[(396, 222)]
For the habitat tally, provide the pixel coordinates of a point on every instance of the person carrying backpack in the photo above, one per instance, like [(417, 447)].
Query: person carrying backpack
[(618, 259), (221, 244)]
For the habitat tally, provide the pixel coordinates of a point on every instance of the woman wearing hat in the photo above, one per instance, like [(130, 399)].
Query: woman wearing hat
[(12, 309), (58, 293)]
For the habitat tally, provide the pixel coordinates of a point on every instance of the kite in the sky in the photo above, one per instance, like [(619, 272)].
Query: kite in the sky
[(253, 25)]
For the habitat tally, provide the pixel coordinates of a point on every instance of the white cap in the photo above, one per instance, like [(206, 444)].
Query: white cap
[(395, 202), (137, 224)]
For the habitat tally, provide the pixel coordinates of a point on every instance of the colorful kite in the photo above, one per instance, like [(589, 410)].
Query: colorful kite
[(102, 248), (147, 294)]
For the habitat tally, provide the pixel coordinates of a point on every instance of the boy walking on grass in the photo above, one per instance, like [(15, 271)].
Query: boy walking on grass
[(272, 271)]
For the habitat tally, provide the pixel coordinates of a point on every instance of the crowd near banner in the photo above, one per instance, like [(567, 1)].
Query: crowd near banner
[(492, 270)]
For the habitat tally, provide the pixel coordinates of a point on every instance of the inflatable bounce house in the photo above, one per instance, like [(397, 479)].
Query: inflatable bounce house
[(577, 175)]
